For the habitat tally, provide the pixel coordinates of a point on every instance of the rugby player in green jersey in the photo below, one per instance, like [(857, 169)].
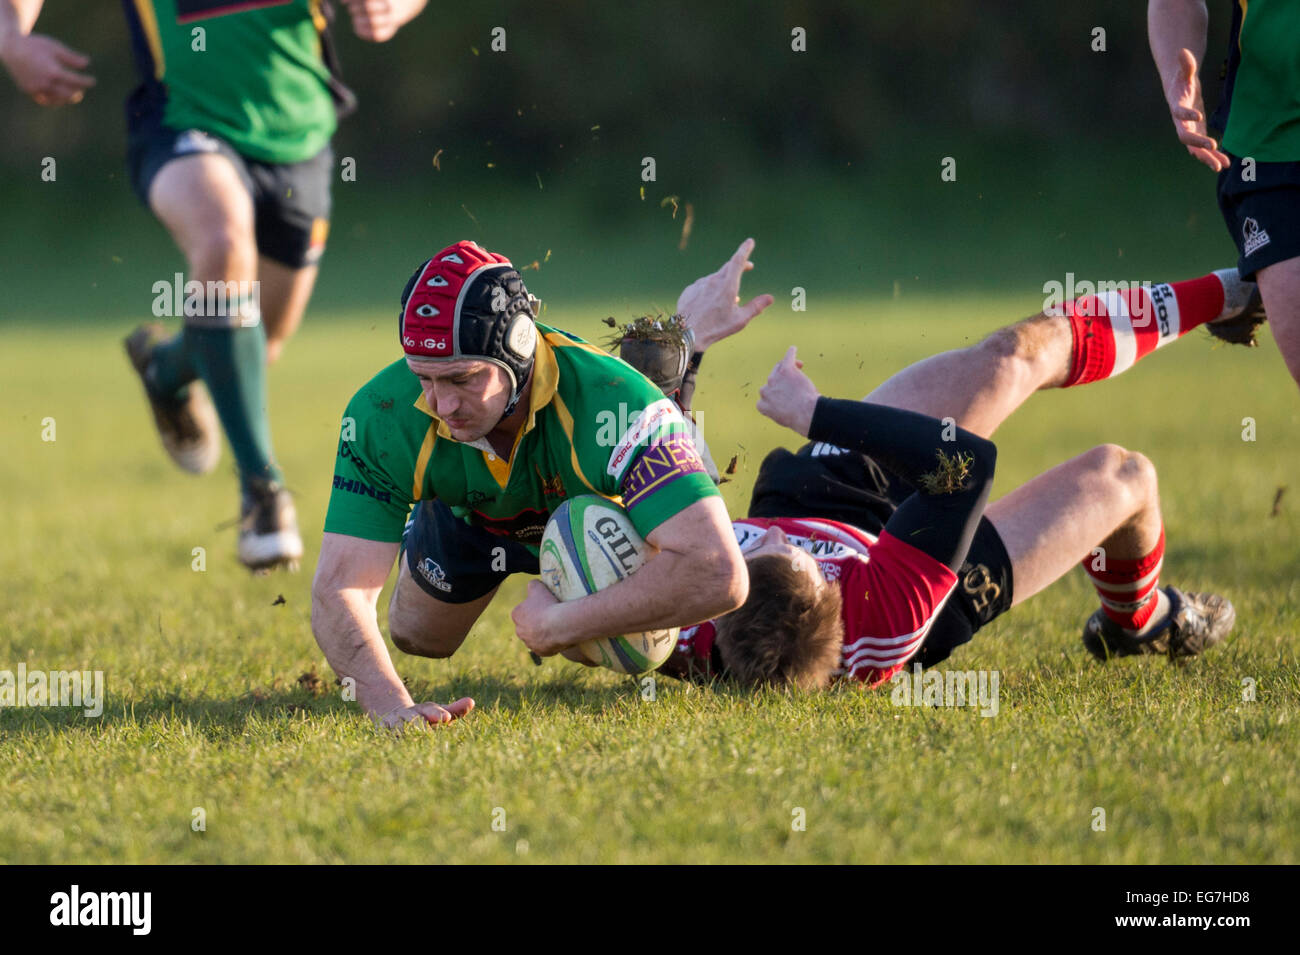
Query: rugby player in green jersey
[(229, 146), (1258, 159), (488, 423)]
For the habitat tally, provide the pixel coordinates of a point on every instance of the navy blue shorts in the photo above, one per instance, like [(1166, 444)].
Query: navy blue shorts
[(291, 201), (824, 481), (1263, 215), (456, 562)]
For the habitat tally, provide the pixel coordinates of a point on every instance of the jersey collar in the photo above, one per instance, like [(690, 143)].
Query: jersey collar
[(546, 380)]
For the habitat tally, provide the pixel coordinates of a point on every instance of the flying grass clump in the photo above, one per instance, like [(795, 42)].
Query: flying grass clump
[(649, 328), (950, 475)]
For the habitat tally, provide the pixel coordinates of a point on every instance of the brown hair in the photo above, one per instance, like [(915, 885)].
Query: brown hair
[(787, 633)]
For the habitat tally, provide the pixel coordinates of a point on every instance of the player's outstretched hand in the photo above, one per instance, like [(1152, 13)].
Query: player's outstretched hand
[(1187, 109), (711, 304), (46, 70), (379, 20), (789, 397), (420, 715)]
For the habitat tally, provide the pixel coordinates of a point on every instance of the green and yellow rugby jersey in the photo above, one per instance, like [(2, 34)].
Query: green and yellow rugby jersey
[(595, 425), (1260, 111), (251, 72)]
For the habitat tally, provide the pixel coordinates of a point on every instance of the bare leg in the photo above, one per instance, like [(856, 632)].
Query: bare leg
[(981, 385), (1105, 497), (425, 627), (203, 203), (285, 293), (1279, 285)]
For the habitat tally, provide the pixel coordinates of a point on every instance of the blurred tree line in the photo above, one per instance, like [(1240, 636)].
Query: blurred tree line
[(714, 85)]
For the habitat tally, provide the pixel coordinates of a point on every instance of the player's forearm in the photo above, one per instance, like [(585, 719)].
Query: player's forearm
[(16, 19), (905, 442), (1172, 26), (669, 590), (19, 15), (347, 631)]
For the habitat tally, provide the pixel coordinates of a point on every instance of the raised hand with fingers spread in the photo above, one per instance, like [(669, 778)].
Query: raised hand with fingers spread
[(711, 304)]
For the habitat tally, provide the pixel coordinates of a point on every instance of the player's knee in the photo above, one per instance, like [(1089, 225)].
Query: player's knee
[(1132, 470), (416, 648), (1139, 474), (412, 631), (410, 638), (227, 249)]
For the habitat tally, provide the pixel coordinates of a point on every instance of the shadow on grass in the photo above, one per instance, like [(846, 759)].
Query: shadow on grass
[(569, 690), (285, 704)]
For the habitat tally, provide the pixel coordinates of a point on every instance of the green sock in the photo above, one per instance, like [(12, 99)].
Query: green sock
[(232, 362), (172, 368)]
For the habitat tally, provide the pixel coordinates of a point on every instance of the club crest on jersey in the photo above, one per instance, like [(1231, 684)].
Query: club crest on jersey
[(552, 486)]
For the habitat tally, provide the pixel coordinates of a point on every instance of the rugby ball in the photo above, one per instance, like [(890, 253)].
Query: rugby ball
[(590, 544)]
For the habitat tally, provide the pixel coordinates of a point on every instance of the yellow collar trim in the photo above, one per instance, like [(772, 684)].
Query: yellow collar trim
[(546, 380)]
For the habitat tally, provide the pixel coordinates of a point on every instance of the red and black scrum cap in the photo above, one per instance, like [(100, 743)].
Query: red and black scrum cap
[(467, 302)]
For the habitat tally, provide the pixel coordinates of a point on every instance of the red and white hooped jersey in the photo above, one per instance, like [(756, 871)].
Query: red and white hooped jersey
[(891, 592)]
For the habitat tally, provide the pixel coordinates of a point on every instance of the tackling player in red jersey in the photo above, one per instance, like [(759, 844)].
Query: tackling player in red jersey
[(872, 547)]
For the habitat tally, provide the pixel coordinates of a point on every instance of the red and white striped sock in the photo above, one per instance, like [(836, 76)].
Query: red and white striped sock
[(1115, 329), (1127, 587)]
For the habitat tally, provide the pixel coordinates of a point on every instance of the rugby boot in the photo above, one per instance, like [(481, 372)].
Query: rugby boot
[(187, 425), (268, 527), (1240, 328), (1195, 623)]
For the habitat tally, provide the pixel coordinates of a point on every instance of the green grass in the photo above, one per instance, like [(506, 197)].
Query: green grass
[(204, 708)]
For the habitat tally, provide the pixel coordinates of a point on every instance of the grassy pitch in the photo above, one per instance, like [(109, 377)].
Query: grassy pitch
[(217, 698)]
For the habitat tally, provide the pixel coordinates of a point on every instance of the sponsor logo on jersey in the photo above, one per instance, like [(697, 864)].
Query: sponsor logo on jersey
[(749, 536), (1253, 237), (526, 527), (434, 574), (348, 454), (360, 487), (653, 421), (658, 466)]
